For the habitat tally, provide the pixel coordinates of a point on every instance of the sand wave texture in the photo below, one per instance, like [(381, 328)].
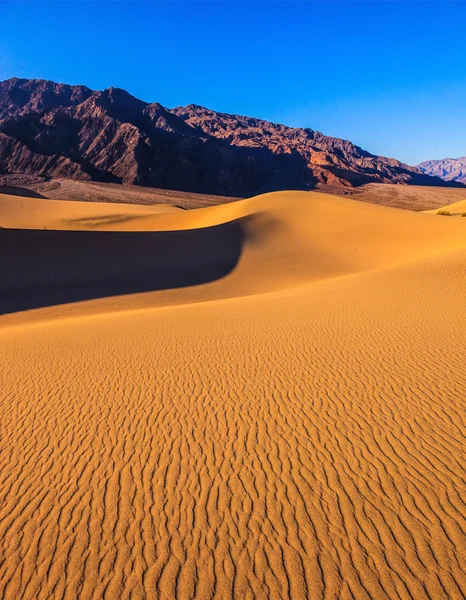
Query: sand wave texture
[(294, 428)]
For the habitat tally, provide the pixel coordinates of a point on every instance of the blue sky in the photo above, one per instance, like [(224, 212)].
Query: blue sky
[(389, 76)]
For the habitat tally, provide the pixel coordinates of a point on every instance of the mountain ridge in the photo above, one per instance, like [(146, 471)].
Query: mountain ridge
[(448, 169), (61, 130)]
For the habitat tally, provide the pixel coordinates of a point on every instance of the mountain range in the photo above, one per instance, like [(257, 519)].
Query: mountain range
[(449, 169), (59, 130)]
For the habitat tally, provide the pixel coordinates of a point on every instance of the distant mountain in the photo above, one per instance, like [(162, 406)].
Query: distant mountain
[(449, 169), (59, 130)]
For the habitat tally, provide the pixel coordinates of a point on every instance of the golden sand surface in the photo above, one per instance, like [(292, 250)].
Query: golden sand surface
[(292, 427), (22, 212), (455, 209)]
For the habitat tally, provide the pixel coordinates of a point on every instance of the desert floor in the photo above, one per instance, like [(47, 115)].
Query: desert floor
[(264, 399)]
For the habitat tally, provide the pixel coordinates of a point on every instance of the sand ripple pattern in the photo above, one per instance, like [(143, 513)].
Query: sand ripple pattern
[(309, 446)]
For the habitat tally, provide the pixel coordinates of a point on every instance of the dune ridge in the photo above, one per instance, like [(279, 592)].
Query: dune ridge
[(292, 429), (455, 208), (267, 243)]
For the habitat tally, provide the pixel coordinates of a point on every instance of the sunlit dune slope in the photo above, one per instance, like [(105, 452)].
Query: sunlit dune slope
[(20, 212), (457, 208), (266, 243), (304, 441)]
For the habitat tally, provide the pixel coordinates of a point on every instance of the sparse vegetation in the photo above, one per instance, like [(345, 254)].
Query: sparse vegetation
[(444, 213), (463, 214)]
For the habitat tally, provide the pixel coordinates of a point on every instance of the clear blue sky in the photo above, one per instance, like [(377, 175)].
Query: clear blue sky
[(389, 76)]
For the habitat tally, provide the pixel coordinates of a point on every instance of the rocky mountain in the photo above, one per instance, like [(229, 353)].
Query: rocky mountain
[(449, 169), (58, 130)]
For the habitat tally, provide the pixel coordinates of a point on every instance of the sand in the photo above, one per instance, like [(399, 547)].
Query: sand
[(21, 212), (291, 427), (455, 209)]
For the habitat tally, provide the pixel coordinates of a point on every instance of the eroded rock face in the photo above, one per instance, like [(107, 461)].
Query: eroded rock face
[(20, 96), (449, 169), (59, 130)]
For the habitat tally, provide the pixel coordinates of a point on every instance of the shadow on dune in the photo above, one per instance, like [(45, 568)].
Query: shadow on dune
[(46, 268), (13, 190)]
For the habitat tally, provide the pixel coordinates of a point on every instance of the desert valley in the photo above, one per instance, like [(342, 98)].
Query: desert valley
[(243, 377)]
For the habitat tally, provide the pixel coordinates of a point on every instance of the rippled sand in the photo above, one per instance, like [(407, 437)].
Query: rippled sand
[(291, 427)]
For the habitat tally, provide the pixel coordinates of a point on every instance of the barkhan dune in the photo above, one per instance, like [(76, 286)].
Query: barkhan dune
[(263, 399)]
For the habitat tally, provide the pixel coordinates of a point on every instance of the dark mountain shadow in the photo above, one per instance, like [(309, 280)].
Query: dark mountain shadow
[(209, 165), (46, 268)]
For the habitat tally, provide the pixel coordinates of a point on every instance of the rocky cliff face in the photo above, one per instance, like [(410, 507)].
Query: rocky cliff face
[(60, 130), (449, 169)]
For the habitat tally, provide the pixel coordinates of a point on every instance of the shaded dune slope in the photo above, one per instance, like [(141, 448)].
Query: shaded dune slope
[(43, 268)]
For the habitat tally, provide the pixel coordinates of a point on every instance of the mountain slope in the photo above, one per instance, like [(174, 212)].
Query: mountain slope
[(449, 169), (59, 130)]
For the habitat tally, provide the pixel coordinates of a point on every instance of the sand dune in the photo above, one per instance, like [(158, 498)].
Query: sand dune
[(292, 427), (455, 209), (19, 212), (267, 243)]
